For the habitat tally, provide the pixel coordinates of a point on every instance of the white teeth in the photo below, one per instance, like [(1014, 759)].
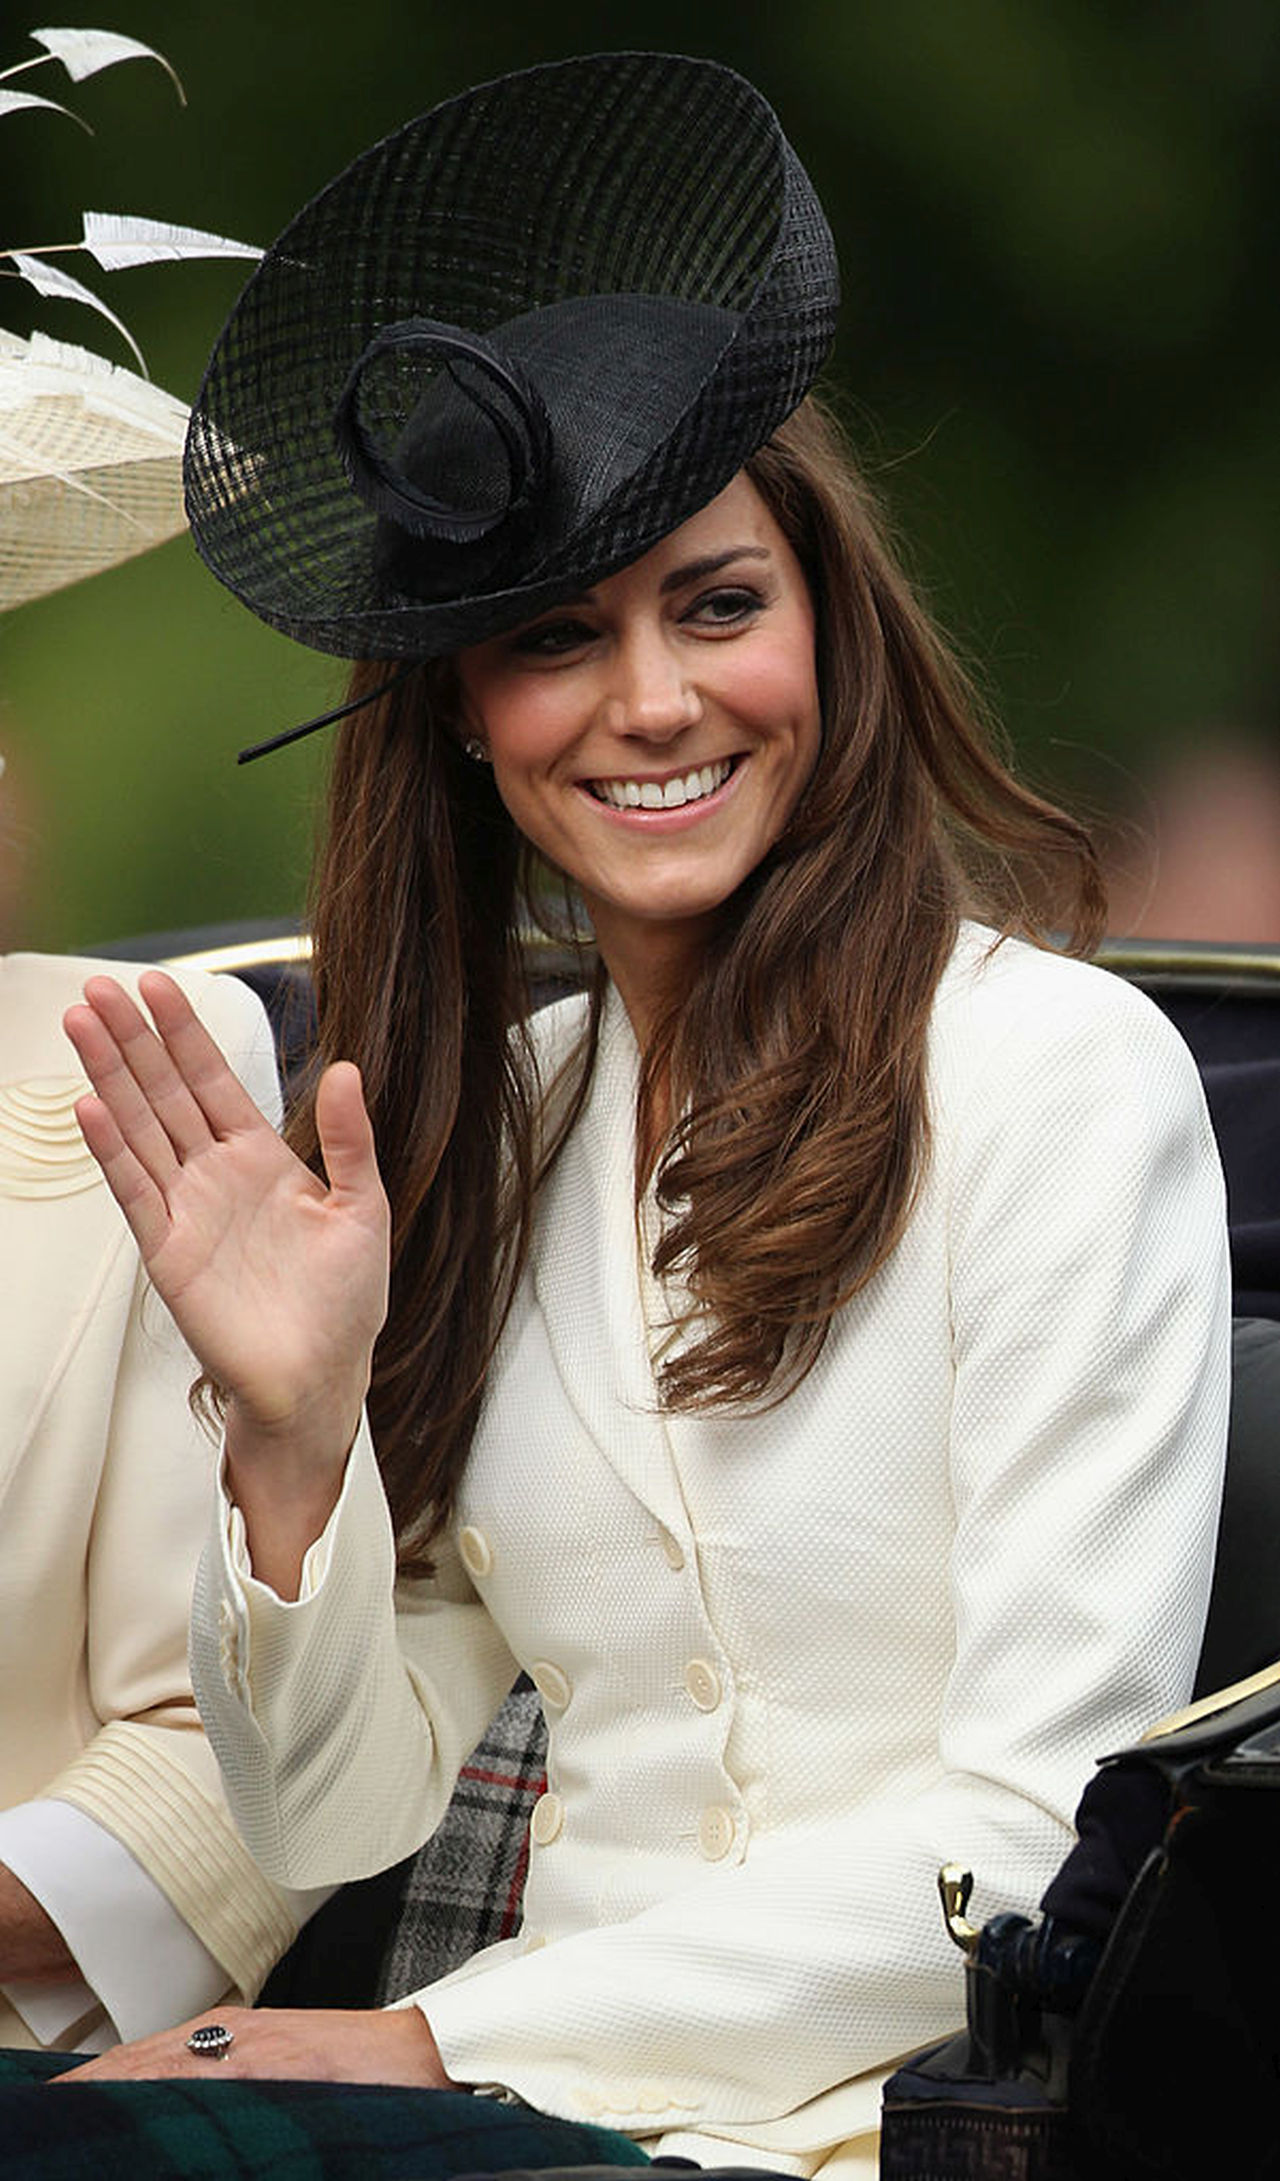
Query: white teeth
[(649, 795)]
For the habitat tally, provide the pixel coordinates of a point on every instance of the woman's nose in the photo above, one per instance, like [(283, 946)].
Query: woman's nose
[(651, 694)]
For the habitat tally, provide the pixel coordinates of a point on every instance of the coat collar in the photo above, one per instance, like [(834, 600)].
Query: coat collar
[(588, 1275)]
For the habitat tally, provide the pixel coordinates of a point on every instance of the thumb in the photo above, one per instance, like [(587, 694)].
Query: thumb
[(346, 1133)]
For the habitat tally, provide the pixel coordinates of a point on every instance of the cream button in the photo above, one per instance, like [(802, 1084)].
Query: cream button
[(672, 1549), (703, 1683), (477, 1552), (547, 1819), (715, 1832), (650, 2098), (552, 1685)]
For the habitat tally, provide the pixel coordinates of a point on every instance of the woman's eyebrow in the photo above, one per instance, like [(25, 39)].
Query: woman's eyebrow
[(690, 571), (695, 571)]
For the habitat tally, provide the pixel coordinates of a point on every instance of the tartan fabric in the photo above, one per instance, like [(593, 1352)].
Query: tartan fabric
[(238, 2131), (463, 1888), (381, 1937)]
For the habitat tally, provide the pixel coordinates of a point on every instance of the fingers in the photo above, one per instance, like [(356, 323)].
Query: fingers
[(355, 2045), (135, 1123), (168, 1088), (159, 2057), (215, 1087), (130, 1184), (346, 1135)]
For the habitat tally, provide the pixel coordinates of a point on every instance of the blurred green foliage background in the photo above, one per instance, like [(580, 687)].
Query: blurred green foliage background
[(1058, 355)]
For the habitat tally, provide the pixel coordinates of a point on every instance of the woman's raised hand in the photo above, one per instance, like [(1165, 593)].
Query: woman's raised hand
[(278, 1282)]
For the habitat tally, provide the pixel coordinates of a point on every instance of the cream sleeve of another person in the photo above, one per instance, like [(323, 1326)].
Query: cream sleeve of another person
[(794, 1661), (111, 1808)]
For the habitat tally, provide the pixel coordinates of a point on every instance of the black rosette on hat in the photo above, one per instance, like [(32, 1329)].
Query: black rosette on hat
[(506, 351)]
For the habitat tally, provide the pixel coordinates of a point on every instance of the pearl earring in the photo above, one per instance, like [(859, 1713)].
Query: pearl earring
[(475, 750)]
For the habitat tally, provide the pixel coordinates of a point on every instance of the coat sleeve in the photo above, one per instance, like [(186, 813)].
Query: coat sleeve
[(361, 1697), (147, 1775)]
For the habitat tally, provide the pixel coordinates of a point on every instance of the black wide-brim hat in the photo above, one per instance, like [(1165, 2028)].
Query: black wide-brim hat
[(506, 351)]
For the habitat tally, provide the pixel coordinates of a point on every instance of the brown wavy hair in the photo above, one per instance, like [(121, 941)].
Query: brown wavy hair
[(796, 1061)]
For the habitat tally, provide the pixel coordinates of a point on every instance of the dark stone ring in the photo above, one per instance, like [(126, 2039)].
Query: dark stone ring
[(212, 2041)]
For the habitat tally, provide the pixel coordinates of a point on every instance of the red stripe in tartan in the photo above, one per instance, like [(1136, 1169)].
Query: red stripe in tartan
[(524, 1783), (515, 1892)]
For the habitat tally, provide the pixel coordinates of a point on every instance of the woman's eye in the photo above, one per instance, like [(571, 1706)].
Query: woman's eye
[(728, 606), (548, 639)]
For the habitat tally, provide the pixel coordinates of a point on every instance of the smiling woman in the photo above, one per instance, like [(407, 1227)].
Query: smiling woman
[(652, 742), (804, 1353)]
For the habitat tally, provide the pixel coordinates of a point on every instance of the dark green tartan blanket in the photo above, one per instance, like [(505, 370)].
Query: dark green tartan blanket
[(241, 2131)]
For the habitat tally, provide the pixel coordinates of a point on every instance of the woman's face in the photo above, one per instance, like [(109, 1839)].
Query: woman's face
[(653, 737)]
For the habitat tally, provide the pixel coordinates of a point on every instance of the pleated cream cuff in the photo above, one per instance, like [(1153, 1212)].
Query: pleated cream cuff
[(187, 1844)]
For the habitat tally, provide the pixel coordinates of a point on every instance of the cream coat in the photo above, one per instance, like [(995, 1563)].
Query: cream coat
[(791, 1662), (104, 1482)]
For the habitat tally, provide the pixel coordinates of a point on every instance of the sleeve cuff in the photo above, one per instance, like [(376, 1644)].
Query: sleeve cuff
[(137, 1956), (315, 1564), (137, 1789)]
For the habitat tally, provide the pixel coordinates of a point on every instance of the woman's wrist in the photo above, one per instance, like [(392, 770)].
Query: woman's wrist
[(425, 2044), (298, 1455), (286, 1484)]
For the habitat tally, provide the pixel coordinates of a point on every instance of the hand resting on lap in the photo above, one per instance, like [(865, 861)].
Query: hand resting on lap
[(350, 2045)]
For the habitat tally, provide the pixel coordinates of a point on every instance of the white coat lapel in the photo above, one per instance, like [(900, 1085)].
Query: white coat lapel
[(586, 1279)]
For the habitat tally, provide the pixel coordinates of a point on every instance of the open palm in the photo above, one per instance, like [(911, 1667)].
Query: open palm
[(278, 1282)]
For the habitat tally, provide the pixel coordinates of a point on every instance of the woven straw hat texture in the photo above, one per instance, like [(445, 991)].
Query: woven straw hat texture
[(552, 318), (90, 465)]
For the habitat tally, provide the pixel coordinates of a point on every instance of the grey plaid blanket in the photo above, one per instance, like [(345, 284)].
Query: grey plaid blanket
[(385, 1936), (462, 1890)]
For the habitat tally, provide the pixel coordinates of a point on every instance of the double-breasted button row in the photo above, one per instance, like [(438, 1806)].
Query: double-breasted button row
[(715, 1832), (552, 1683), (476, 1551), (703, 1683), (547, 1819)]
